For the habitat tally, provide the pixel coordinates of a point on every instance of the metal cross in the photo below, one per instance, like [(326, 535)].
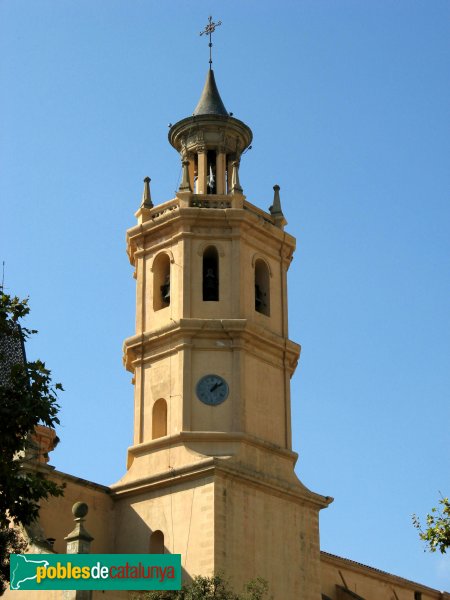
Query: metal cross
[(209, 30)]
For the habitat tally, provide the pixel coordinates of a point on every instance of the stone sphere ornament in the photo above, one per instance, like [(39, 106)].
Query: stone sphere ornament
[(80, 510)]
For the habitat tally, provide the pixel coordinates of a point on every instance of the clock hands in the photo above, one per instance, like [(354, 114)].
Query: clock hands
[(215, 386), (212, 389)]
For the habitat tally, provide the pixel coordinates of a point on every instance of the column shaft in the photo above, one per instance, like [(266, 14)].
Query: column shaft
[(202, 172)]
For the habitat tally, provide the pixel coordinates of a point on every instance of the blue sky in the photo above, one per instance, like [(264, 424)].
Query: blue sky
[(349, 106)]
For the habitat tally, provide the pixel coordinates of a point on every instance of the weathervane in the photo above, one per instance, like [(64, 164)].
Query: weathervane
[(209, 30)]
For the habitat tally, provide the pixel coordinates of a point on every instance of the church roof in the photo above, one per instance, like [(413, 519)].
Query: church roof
[(210, 102)]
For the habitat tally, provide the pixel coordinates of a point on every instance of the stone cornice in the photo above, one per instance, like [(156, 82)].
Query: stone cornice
[(200, 132), (211, 467), (66, 477), (186, 437), (171, 216), (242, 333)]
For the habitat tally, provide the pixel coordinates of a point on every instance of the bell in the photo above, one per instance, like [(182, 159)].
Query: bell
[(211, 182), (165, 290), (259, 301), (210, 286)]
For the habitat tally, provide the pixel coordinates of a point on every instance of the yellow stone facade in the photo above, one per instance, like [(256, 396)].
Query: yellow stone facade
[(214, 479), (217, 480)]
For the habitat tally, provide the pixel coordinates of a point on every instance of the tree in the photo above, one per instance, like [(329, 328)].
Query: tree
[(437, 533), (211, 588), (27, 398), (11, 542)]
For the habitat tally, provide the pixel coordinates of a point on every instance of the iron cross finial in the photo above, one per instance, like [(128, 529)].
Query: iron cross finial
[(209, 30)]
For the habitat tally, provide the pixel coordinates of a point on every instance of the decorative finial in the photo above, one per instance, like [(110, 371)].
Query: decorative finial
[(185, 185), (80, 510), (209, 30), (146, 198), (235, 183), (79, 540), (275, 209)]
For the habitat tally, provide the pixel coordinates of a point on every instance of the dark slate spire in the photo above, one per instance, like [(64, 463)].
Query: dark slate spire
[(210, 102)]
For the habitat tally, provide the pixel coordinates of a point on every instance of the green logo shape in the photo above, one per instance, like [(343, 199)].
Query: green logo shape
[(95, 572)]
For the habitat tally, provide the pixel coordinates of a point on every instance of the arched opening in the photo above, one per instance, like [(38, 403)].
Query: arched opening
[(161, 281), (159, 419), (262, 287), (157, 542), (211, 274)]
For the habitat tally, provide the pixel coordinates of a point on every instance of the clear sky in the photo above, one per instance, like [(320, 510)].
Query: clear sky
[(349, 105)]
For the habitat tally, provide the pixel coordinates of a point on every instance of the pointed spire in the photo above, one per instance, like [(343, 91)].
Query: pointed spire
[(210, 102), (275, 209), (146, 198)]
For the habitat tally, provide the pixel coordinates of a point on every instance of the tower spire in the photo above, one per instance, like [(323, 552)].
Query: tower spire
[(210, 102), (209, 30)]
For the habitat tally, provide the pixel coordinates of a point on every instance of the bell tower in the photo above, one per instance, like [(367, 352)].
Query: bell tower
[(210, 474)]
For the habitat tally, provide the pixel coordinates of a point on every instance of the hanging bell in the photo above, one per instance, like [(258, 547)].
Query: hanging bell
[(165, 290)]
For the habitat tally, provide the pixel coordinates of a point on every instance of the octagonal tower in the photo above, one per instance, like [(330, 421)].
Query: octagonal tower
[(211, 469)]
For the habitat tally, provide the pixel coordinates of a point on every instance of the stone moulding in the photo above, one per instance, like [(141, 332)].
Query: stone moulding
[(211, 467), (169, 339)]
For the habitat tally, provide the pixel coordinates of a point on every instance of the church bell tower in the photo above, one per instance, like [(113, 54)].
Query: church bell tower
[(210, 474)]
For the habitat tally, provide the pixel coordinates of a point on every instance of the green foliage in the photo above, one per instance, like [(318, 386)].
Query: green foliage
[(11, 542), (437, 532), (27, 398), (212, 588)]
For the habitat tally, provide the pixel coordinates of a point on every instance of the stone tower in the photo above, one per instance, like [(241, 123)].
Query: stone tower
[(211, 469)]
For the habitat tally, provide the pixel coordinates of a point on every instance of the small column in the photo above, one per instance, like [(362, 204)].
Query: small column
[(185, 185), (229, 175), (235, 184), (220, 172), (202, 171), (192, 173), (78, 542)]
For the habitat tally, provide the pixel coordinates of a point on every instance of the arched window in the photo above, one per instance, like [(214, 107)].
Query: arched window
[(161, 281), (159, 419), (262, 287), (211, 274), (157, 542)]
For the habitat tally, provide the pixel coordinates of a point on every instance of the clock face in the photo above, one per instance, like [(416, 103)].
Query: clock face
[(212, 389)]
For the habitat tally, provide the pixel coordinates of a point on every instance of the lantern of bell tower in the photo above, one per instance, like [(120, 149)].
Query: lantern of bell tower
[(210, 143)]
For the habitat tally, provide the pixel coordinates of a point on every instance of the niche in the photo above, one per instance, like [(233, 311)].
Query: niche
[(157, 542), (210, 274), (262, 287), (159, 419)]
